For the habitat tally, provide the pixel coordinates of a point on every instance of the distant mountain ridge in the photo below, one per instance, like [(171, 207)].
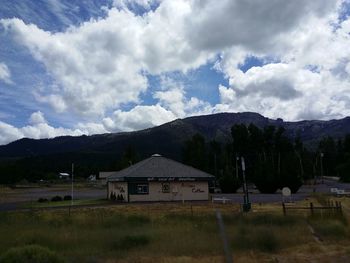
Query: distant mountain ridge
[(168, 138)]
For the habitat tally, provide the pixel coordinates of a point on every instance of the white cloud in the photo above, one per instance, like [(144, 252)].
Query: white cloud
[(99, 64), (38, 129), (140, 117), (124, 4), (173, 97), (93, 64), (9, 133), (37, 118), (5, 74), (255, 25), (54, 100), (92, 128), (283, 90), (102, 64), (312, 80), (44, 130)]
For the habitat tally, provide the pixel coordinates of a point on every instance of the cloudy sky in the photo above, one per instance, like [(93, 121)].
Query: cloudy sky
[(95, 66)]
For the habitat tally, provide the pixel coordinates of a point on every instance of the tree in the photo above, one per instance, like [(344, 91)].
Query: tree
[(214, 158), (129, 157), (229, 183), (327, 147), (272, 161), (195, 152)]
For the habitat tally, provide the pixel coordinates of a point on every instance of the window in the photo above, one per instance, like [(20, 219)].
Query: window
[(165, 187), (142, 188), (138, 188)]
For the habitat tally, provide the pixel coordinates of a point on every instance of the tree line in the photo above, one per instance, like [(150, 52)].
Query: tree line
[(273, 160)]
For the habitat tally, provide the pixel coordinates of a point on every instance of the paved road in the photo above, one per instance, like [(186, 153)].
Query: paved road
[(304, 192), (16, 198)]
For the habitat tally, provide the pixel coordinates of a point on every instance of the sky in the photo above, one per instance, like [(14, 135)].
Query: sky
[(74, 67)]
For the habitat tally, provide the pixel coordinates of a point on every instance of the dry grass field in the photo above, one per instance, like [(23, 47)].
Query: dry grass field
[(176, 232)]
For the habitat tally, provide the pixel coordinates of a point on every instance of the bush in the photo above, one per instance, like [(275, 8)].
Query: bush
[(137, 220), (267, 185), (42, 200), (262, 239), (271, 219), (266, 240), (112, 196), (229, 184), (67, 197), (265, 178), (330, 229), (344, 172), (31, 254), (129, 242), (56, 198)]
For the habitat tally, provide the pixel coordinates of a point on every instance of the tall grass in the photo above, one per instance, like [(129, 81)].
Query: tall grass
[(106, 233), (330, 226), (267, 232), (30, 254), (130, 242)]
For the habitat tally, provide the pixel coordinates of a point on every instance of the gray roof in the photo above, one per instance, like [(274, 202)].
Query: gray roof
[(159, 166)]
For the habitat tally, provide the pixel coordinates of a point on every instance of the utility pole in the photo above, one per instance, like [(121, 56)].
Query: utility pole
[(215, 165), (237, 158), (321, 155), (246, 203), (72, 184), (315, 172)]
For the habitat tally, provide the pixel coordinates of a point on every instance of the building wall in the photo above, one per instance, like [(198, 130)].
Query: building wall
[(178, 191), (102, 177), (118, 188)]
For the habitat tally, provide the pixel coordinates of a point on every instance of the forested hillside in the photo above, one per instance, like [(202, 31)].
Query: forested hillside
[(269, 150)]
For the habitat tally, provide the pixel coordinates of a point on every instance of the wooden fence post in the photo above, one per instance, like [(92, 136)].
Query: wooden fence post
[(339, 208), (312, 208), (284, 209)]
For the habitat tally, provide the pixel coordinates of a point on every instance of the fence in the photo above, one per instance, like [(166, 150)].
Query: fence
[(331, 207)]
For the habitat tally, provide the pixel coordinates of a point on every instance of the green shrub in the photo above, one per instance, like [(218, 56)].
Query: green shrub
[(30, 254), (137, 220), (42, 200), (56, 198), (330, 229), (262, 220), (229, 183), (67, 197), (131, 241), (262, 239), (266, 240), (270, 219)]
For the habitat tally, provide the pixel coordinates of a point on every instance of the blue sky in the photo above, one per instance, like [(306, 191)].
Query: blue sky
[(86, 67)]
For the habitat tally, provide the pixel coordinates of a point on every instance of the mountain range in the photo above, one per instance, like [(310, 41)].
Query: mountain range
[(168, 139)]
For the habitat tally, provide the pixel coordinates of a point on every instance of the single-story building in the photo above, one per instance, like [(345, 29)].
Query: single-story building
[(159, 179), (102, 177), (64, 176)]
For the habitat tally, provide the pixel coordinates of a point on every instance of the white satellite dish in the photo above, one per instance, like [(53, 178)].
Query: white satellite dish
[(287, 193)]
